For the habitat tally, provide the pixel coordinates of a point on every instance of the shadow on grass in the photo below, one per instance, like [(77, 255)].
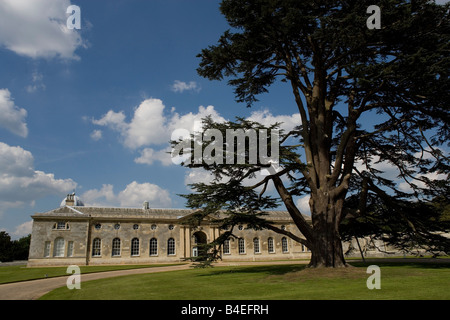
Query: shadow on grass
[(293, 268), (425, 264), (267, 269)]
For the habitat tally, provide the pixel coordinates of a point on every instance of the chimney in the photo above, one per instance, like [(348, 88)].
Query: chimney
[(70, 199), (146, 205)]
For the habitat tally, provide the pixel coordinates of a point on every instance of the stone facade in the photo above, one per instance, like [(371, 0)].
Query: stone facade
[(93, 236)]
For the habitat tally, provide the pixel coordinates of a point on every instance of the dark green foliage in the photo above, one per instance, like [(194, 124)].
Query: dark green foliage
[(15, 249), (341, 74)]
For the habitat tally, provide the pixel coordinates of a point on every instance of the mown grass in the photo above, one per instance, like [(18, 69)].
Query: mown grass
[(22, 273), (398, 281)]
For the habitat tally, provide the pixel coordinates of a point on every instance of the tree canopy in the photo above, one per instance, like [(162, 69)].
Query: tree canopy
[(365, 97)]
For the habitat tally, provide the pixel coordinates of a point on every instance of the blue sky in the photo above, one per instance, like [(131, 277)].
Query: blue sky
[(92, 110)]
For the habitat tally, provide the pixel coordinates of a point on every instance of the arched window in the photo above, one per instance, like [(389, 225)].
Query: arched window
[(270, 246), (115, 247), (153, 247), (256, 248), (58, 247), (97, 247), (241, 245), (135, 247), (284, 245), (171, 246)]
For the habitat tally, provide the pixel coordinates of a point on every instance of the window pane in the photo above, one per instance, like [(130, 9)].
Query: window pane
[(116, 247), (96, 247), (153, 247), (70, 249), (226, 247), (58, 247), (284, 244), (171, 246), (256, 245), (270, 245), (135, 247), (47, 249), (241, 244)]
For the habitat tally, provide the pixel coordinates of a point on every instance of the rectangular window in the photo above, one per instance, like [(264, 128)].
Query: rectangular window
[(61, 225), (97, 247), (256, 248), (270, 245), (226, 246), (70, 249), (284, 245), (58, 247), (241, 245), (47, 249)]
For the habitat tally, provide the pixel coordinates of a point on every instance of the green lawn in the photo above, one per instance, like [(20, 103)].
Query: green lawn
[(398, 281), (22, 273)]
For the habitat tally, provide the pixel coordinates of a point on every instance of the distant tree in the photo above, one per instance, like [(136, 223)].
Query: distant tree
[(13, 249), (342, 75), (6, 248), (21, 248), (408, 226)]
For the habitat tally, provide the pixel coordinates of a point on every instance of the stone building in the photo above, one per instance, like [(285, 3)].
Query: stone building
[(74, 234)]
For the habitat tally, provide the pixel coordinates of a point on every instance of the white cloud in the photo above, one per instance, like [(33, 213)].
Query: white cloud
[(405, 187), (96, 135), (20, 183), (133, 195), (23, 229), (37, 29), (149, 156), (147, 125), (152, 126), (181, 86), (197, 175), (12, 117), (303, 205), (265, 117)]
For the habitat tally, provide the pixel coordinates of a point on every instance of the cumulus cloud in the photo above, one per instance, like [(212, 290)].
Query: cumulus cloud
[(133, 195), (181, 86), (12, 117), (20, 183), (265, 117), (96, 135), (303, 205), (149, 156), (23, 229), (37, 29), (151, 125)]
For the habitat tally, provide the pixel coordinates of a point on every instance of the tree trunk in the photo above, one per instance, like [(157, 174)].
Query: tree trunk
[(327, 251), (326, 247)]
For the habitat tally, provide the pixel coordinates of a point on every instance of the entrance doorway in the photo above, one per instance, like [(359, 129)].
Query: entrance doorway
[(199, 243)]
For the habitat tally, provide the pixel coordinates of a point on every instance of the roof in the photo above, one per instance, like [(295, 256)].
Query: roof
[(136, 213)]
